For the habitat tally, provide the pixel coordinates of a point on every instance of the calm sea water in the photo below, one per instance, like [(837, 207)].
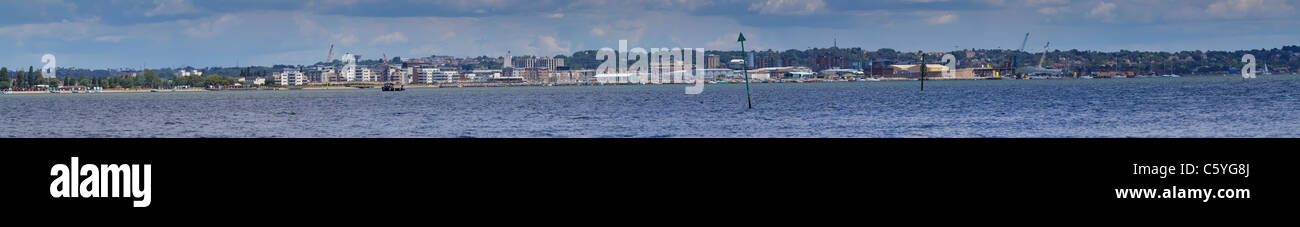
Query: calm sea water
[(1140, 107)]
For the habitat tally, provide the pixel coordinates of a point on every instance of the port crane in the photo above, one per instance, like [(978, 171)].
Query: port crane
[(1039, 69), (329, 60), (1015, 57), (1044, 58)]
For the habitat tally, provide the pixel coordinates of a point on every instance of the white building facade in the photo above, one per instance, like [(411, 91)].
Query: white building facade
[(293, 77)]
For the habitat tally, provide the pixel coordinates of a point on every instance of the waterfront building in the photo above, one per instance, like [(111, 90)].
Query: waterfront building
[(426, 74), (530, 63), (880, 67), (322, 74), (506, 61), (917, 68), (712, 61), (848, 72), (357, 73), (829, 62), (571, 76), (396, 73), (714, 74), (446, 76), (487, 73), (499, 76), (766, 60), (291, 77), (185, 73), (736, 64), (618, 78)]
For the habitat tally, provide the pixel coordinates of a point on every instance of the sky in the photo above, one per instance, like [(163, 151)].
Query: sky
[(100, 34)]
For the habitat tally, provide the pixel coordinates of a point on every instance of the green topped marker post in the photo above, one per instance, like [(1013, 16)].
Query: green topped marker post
[(745, 69)]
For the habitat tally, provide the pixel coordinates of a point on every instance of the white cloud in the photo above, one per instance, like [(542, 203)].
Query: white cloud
[(110, 38), (550, 44), (389, 39), (1052, 10), (424, 50), (1104, 11), (597, 31), (790, 7), (309, 28), (728, 41), (63, 30), (214, 27), (171, 7), (946, 18), (554, 15), (1046, 2), (346, 39), (1249, 8)]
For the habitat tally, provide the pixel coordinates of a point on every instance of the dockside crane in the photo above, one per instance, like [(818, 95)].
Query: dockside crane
[(329, 60), (1044, 58), (1015, 57)]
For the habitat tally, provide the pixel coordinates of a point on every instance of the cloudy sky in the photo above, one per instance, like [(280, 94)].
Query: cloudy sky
[(202, 33)]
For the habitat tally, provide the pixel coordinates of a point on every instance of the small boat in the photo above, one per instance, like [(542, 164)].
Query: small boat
[(390, 87), (153, 90), (1170, 76), (871, 79), (1085, 77)]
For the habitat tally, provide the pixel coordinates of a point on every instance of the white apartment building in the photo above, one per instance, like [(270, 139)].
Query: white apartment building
[(292, 77), (356, 73), (322, 74), (190, 73), (446, 76), (397, 74), (426, 75)]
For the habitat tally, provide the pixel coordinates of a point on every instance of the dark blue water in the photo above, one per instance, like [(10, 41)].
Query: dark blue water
[(1142, 107)]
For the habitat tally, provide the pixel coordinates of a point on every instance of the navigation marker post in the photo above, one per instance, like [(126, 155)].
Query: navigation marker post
[(745, 68), (923, 69)]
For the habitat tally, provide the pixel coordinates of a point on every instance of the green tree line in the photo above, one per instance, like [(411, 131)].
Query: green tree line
[(31, 78)]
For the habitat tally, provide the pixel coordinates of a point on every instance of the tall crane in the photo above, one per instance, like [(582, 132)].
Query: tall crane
[(329, 60), (1044, 58), (329, 57), (1015, 57)]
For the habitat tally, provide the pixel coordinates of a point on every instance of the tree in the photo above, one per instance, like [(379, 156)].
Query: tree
[(150, 79), (4, 76), (32, 79), (138, 81), (20, 79)]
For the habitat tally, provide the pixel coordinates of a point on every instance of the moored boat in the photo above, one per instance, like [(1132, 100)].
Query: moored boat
[(390, 87)]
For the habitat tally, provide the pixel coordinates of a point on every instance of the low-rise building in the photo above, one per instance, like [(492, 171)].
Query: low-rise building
[(184, 73), (357, 74), (292, 77)]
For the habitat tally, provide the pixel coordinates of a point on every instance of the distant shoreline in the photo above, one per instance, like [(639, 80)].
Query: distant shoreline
[(461, 85)]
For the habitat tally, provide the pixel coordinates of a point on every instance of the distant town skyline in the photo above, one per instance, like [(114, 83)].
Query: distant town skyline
[(201, 33)]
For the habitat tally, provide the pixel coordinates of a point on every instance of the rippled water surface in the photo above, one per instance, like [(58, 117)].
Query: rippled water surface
[(1138, 107)]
